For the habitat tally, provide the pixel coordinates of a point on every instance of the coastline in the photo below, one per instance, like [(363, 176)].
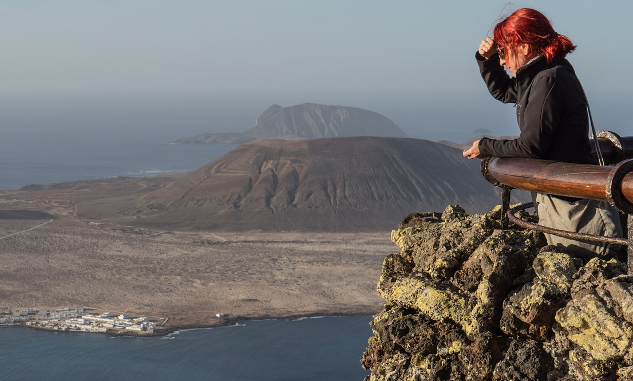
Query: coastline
[(228, 322), (236, 322), (52, 256), (325, 345)]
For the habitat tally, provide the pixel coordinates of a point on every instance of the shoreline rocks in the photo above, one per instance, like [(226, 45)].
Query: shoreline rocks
[(466, 299)]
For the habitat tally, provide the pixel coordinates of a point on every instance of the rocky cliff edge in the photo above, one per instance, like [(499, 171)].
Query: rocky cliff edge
[(466, 299)]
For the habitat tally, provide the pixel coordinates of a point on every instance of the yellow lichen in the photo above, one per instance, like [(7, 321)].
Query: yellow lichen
[(435, 303), (423, 367), (388, 367), (588, 368), (421, 362), (484, 292), (556, 268), (540, 290), (380, 316), (398, 237), (592, 327), (455, 347), (625, 373)]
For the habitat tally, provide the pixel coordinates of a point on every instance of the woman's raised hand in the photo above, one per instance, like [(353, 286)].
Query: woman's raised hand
[(487, 48), (473, 152)]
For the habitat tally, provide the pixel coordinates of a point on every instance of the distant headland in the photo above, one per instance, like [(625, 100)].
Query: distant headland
[(306, 121)]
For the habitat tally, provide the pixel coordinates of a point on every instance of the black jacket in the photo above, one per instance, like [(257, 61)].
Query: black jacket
[(551, 111)]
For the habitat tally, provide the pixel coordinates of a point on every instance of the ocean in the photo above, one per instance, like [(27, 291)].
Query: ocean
[(310, 349), (50, 142), (45, 157)]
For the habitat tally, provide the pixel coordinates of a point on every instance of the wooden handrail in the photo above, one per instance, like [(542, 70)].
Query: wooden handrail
[(553, 177), (613, 183)]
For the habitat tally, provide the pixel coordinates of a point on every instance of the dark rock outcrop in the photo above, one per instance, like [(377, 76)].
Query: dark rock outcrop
[(469, 300)]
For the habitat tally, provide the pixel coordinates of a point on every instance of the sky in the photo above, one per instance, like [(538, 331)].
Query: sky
[(394, 57)]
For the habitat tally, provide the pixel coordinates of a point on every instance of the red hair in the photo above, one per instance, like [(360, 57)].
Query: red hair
[(529, 26)]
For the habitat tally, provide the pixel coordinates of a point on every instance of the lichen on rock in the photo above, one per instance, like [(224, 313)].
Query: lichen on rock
[(593, 323), (531, 310), (467, 299)]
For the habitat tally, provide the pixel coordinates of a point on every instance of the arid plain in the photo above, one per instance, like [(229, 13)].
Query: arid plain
[(53, 257)]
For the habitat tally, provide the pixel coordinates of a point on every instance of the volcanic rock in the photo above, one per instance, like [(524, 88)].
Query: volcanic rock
[(350, 184), (467, 299)]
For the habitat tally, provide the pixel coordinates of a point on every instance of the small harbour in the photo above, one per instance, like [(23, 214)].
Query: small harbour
[(311, 349), (77, 320)]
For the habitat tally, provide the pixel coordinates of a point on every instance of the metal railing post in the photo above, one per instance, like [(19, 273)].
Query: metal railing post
[(505, 205), (629, 249)]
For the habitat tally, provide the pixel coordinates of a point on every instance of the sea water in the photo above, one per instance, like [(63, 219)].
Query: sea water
[(56, 139), (45, 157), (39, 146), (311, 349)]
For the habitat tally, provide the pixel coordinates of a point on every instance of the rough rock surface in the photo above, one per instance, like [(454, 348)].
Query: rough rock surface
[(469, 300)]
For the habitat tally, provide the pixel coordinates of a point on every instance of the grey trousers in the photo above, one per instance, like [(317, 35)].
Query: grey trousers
[(582, 216)]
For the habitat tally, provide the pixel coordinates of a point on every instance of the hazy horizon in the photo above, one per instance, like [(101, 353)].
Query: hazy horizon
[(167, 117), (180, 68)]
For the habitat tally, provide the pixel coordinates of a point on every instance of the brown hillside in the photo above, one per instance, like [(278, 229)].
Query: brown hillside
[(354, 184)]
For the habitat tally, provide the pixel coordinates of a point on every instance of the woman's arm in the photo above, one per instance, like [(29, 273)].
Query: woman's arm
[(539, 121), (500, 85)]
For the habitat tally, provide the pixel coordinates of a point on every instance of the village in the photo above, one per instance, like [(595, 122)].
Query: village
[(77, 320)]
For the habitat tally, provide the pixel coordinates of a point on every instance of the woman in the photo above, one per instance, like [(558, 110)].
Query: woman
[(551, 111)]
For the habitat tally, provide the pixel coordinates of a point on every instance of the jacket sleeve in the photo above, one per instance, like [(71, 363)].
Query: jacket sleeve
[(500, 85), (538, 121)]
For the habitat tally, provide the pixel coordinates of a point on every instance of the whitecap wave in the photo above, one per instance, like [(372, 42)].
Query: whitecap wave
[(308, 317)]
